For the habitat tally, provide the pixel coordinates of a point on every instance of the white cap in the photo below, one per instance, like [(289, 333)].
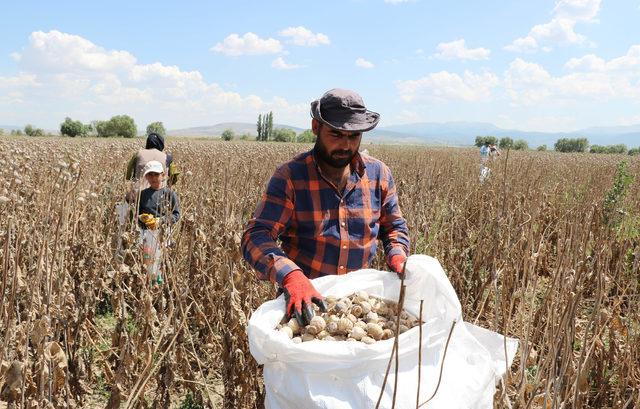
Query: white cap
[(152, 166)]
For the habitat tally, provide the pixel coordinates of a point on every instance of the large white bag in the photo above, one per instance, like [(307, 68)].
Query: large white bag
[(325, 374)]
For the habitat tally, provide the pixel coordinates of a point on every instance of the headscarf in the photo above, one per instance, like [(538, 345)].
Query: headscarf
[(155, 141)]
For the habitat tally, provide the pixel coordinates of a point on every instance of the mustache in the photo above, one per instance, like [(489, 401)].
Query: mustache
[(347, 152)]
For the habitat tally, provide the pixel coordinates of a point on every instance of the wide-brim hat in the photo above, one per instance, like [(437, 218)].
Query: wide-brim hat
[(152, 166), (344, 110)]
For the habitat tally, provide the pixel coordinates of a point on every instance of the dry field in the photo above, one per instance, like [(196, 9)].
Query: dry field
[(537, 252)]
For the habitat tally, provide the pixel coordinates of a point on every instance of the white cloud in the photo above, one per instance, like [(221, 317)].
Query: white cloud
[(591, 77), (458, 50), (589, 62), (280, 64), (61, 52), (67, 75), (448, 86), (561, 28), (304, 37), (362, 63), (248, 44), (578, 10)]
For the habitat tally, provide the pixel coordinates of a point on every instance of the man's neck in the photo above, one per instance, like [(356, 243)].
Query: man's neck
[(338, 176)]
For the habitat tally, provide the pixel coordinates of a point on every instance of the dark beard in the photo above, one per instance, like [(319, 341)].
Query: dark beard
[(329, 159)]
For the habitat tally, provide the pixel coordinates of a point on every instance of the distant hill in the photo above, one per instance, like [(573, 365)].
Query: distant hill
[(239, 128), (464, 133)]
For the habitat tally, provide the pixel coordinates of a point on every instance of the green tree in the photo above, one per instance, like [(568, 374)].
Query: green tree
[(284, 135), (542, 148), (480, 140), (31, 131), (16, 132), (597, 149), (259, 128), (119, 125), (506, 143), (228, 135), (156, 127), (520, 145), (74, 128), (571, 145), (634, 151), (617, 149), (1, 131), (307, 137), (269, 127)]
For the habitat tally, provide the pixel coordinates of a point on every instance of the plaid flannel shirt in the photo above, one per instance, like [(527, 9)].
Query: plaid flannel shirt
[(321, 231)]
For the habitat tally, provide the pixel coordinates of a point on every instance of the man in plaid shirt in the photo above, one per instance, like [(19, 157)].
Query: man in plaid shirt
[(328, 207)]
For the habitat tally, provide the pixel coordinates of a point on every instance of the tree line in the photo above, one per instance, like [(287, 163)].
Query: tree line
[(561, 145), (266, 132)]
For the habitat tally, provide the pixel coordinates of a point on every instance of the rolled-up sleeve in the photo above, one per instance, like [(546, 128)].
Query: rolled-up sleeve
[(272, 215), (393, 227)]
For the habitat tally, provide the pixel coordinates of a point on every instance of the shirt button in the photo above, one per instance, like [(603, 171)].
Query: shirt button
[(341, 267), (342, 224), (344, 246)]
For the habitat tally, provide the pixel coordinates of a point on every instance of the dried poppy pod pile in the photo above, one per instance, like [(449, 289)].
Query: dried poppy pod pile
[(359, 317)]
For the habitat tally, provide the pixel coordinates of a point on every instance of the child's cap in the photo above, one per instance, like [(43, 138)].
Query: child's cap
[(152, 166)]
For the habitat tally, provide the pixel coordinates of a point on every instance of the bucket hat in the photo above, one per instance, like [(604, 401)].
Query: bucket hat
[(344, 110)]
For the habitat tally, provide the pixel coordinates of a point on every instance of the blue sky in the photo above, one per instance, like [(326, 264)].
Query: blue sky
[(531, 65)]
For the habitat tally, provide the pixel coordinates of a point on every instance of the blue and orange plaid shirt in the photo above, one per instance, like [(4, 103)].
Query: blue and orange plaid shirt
[(321, 231)]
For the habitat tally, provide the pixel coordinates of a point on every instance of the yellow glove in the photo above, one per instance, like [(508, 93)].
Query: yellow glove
[(149, 220)]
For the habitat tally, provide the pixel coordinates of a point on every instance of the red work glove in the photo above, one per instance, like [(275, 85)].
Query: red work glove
[(396, 263), (299, 294)]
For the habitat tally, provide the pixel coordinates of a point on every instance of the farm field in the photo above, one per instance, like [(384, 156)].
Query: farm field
[(547, 250)]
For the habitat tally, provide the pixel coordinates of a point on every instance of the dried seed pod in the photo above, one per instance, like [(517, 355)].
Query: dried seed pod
[(368, 340), (352, 318), (351, 340), (296, 340), (344, 325), (329, 338), (313, 330), (322, 334), (361, 324), (366, 307), (357, 333), (307, 337), (388, 333), (294, 325), (371, 317), (332, 327), (381, 308), (356, 310), (331, 299), (402, 328), (287, 330), (318, 322), (361, 296), (374, 331), (340, 307), (339, 338), (347, 301)]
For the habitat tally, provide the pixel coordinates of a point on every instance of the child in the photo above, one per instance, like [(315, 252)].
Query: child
[(158, 207)]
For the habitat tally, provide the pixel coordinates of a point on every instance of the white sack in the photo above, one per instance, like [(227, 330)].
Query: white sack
[(325, 374)]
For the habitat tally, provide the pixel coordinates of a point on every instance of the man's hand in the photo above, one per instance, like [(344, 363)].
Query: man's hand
[(299, 294), (396, 263)]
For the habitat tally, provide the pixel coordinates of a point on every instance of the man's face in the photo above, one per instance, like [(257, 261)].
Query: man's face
[(335, 148), (154, 179)]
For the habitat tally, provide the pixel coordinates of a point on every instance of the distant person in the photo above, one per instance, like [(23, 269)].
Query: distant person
[(153, 151), (158, 208), (494, 152), (484, 152), (324, 211)]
